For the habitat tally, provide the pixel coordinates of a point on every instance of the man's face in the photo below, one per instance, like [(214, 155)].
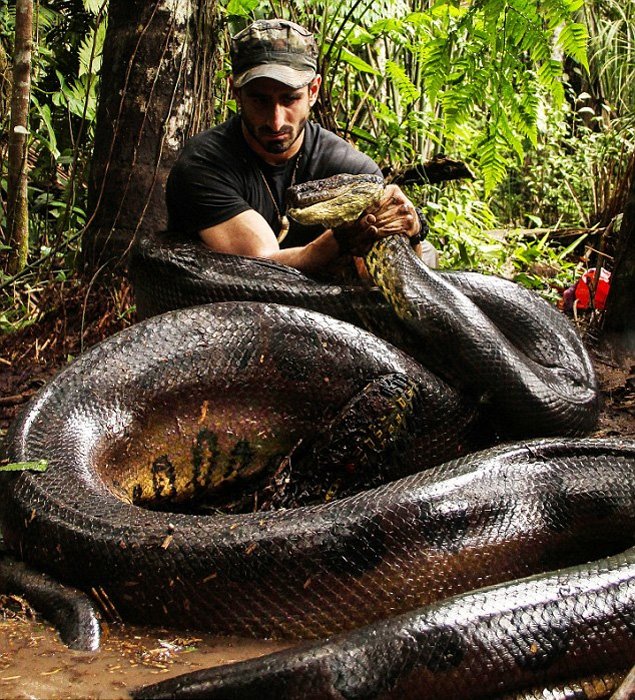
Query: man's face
[(274, 115)]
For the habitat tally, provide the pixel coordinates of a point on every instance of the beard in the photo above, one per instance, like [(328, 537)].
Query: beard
[(263, 134)]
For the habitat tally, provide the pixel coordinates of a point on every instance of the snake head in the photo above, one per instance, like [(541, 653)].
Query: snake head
[(335, 200)]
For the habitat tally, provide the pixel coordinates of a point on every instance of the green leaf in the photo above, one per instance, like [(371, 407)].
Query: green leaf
[(407, 89), (39, 465), (241, 8), (573, 39), (90, 50), (357, 62), (570, 248), (435, 63), (386, 26), (95, 6), (510, 137), (549, 75), (362, 134), (45, 114), (492, 161)]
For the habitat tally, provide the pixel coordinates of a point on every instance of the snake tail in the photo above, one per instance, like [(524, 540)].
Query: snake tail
[(71, 611)]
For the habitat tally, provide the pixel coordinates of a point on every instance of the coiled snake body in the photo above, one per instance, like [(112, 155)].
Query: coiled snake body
[(142, 420)]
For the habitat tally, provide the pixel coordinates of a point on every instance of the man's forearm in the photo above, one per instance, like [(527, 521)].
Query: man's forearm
[(314, 256)]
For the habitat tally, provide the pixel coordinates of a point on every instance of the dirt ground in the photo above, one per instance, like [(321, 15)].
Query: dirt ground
[(33, 663)]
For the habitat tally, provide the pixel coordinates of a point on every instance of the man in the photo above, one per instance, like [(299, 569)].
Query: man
[(228, 185)]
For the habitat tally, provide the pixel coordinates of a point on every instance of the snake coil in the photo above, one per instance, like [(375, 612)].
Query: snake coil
[(141, 420)]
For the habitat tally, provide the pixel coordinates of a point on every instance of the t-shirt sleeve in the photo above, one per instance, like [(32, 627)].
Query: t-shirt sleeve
[(199, 194), (332, 155)]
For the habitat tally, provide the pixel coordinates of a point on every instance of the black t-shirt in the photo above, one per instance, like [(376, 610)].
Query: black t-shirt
[(217, 176)]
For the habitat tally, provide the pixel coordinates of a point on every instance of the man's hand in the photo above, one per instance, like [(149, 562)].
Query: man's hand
[(394, 213), (358, 237)]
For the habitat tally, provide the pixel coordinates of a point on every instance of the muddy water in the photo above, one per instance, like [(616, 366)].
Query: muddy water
[(34, 664)]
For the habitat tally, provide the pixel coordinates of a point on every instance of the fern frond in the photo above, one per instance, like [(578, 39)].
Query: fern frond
[(435, 65), (510, 137), (556, 12), (90, 50), (490, 149), (526, 115), (549, 76), (94, 6), (408, 91), (459, 103), (573, 39)]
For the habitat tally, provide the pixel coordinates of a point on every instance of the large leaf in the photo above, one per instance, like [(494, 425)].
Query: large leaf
[(357, 63)]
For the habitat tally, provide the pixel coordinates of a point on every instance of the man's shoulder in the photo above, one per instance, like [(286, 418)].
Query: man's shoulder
[(319, 136), (330, 154), (212, 160), (224, 137)]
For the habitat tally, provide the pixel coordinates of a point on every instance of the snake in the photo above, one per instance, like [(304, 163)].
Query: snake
[(496, 557)]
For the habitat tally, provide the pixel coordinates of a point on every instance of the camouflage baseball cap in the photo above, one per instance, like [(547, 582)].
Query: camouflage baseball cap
[(274, 48)]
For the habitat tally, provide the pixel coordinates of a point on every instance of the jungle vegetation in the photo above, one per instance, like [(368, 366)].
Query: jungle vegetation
[(534, 96)]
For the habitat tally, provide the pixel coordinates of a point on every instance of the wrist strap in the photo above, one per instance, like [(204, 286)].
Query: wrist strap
[(424, 229)]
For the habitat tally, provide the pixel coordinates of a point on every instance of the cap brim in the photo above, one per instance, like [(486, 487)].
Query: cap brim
[(283, 74)]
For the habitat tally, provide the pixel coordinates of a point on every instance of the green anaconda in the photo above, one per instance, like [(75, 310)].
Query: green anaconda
[(203, 400), (513, 354), (335, 200)]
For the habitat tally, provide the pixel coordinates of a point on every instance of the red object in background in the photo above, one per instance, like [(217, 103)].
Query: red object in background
[(583, 289)]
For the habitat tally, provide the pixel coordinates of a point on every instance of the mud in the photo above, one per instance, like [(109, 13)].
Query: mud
[(35, 665)]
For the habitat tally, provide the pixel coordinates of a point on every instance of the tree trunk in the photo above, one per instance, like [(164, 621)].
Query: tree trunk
[(17, 236), (619, 317), (158, 68)]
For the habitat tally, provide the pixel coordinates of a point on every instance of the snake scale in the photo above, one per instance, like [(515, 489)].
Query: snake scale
[(466, 576)]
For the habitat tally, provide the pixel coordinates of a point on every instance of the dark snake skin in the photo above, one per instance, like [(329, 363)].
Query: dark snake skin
[(546, 629), (498, 343), (76, 520), (421, 543)]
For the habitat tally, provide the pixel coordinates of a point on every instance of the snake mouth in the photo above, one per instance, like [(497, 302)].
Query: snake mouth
[(307, 194), (333, 201)]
